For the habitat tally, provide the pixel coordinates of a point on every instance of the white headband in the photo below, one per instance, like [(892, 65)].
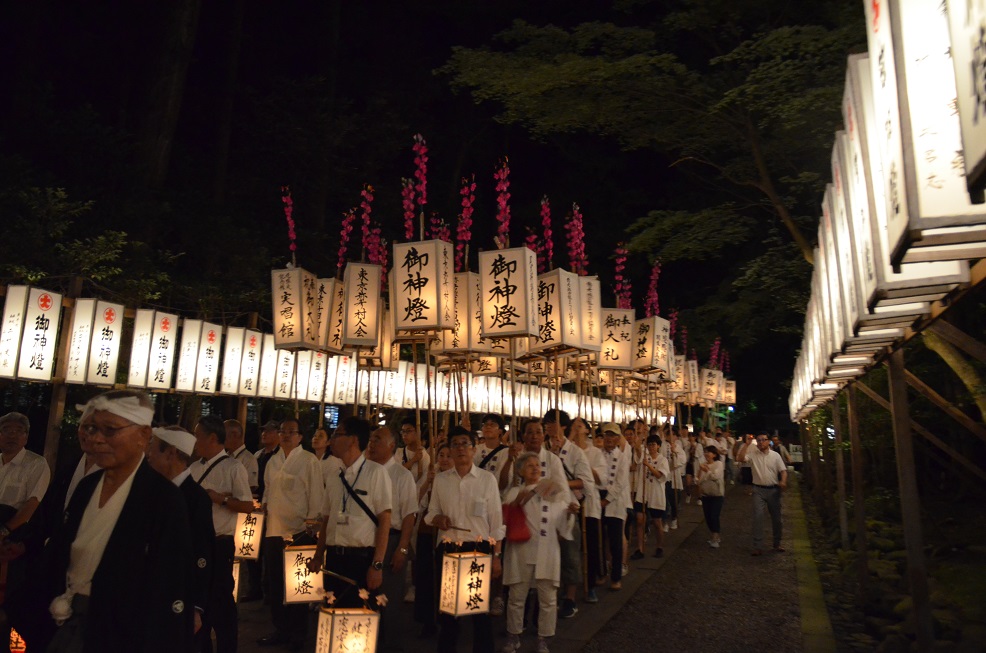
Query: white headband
[(126, 407), (181, 440)]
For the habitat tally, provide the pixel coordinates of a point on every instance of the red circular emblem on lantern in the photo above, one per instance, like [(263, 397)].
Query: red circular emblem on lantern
[(44, 301), (253, 341), (109, 315), (211, 337), (166, 325)]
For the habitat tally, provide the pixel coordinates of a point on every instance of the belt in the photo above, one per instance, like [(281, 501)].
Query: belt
[(349, 550), (766, 487)]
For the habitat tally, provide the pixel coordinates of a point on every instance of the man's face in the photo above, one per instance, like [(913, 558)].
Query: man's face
[(203, 440), (290, 435), (491, 433), (380, 448), (610, 440), (410, 435), (115, 441), (340, 442), (269, 438), (157, 459), (462, 449), (533, 437), (763, 444), (13, 438), (234, 438)]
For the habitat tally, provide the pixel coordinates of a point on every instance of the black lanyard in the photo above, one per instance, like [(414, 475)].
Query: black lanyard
[(211, 467), (345, 497)]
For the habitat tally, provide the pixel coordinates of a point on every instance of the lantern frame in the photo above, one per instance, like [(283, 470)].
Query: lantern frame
[(455, 596)]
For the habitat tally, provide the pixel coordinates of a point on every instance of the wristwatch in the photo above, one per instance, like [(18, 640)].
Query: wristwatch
[(404, 550), (4, 531), (378, 565)]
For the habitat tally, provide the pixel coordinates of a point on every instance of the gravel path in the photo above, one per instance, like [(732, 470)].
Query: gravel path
[(705, 599)]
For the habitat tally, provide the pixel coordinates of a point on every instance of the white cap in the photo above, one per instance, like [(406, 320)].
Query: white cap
[(181, 440)]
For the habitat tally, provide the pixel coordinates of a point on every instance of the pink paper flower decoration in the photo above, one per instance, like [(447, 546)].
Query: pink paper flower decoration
[(407, 203), (463, 233), (546, 250), (347, 228), (421, 169), (622, 287), (651, 305), (714, 354), (288, 211), (502, 179), (673, 319)]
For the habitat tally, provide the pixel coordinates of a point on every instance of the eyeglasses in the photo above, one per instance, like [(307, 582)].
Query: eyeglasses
[(460, 444), (107, 431)]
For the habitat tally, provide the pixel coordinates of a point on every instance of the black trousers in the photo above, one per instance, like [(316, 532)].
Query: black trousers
[(672, 505), (482, 625), (593, 550), (425, 580), (220, 615), (613, 530), (351, 563), (290, 621)]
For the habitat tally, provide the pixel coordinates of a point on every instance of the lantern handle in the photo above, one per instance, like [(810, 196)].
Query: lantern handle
[(345, 579)]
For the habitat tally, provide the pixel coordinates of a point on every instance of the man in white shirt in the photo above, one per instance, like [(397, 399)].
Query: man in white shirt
[(225, 481), (413, 455), (614, 496), (769, 479), (293, 497), (355, 517), (465, 508), (491, 454), (403, 512), (239, 452)]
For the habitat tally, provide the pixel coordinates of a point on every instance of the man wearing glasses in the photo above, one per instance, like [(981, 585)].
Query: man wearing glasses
[(24, 475), (413, 455), (769, 479)]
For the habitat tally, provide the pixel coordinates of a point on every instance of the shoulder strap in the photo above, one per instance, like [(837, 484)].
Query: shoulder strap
[(211, 467), (488, 457), (356, 497)]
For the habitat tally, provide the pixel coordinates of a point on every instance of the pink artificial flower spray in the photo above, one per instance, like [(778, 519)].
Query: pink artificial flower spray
[(622, 287), (366, 207), (502, 179), (347, 228), (421, 175), (463, 233), (407, 203), (546, 250), (714, 354), (288, 211)]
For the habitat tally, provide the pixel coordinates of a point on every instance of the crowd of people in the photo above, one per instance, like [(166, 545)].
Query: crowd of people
[(133, 550)]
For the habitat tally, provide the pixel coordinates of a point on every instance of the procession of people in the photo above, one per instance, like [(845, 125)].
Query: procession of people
[(134, 550)]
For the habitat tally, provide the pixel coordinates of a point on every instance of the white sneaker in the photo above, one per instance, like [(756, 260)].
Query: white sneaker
[(666, 528), (512, 645), (674, 524), (409, 595), (626, 569), (699, 502), (713, 544), (542, 645), (688, 500), (496, 609)]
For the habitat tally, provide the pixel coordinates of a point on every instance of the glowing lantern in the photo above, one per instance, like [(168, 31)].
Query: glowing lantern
[(191, 333), (316, 377), (80, 335), (347, 630), (17, 643), (325, 291), (284, 379), (651, 347), (161, 362), (140, 348), (295, 293), (729, 393), (711, 383), (248, 535), (268, 367), (465, 588), (590, 310), (361, 318), (337, 316), (10, 332), (208, 363), (456, 340), (421, 289), (104, 352), (250, 367), (617, 339), (508, 280), (302, 374), (559, 326), (300, 584), (236, 581), (41, 325), (229, 381)]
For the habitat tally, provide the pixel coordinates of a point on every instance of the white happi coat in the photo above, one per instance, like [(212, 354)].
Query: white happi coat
[(547, 521), (650, 489)]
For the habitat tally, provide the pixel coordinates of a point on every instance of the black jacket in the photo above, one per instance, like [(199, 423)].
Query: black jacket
[(203, 539)]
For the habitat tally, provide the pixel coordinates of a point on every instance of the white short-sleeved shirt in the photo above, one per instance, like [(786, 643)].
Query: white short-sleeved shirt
[(372, 483), (766, 466), (650, 488), (616, 483), (294, 491), (249, 461), (26, 476), (227, 477), (405, 493), (472, 502), (419, 469), (495, 464)]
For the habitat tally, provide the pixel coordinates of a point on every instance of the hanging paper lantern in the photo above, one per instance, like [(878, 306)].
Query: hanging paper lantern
[(421, 289), (248, 535), (617, 339), (508, 280), (347, 630), (652, 347), (361, 319), (295, 294), (465, 588), (559, 323)]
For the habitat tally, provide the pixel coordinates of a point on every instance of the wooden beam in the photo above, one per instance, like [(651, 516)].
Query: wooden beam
[(965, 342), (840, 474), (858, 495), (970, 424)]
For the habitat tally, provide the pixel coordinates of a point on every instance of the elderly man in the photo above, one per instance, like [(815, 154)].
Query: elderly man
[(235, 448), (225, 480), (769, 480), (117, 574), (293, 500), (465, 507), (614, 493), (402, 516), (355, 516), (270, 438), (169, 453)]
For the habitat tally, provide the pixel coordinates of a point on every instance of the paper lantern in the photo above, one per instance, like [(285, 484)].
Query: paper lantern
[(80, 335), (651, 347), (325, 291), (361, 312), (421, 289), (161, 362), (295, 294), (104, 351), (188, 355), (229, 382), (381, 356), (268, 367), (590, 311), (250, 365), (465, 588), (208, 364), (930, 215), (11, 328), (140, 348), (347, 630), (300, 584), (456, 339), (284, 377), (508, 279), (302, 374), (965, 23), (316, 377), (711, 382), (617, 339), (559, 323), (248, 535), (41, 325), (337, 316)]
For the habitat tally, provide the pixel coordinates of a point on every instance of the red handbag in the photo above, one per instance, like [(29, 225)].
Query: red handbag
[(516, 523)]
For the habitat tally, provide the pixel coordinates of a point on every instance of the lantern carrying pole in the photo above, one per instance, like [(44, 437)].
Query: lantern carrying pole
[(417, 401), (356, 395), (432, 421), (513, 373), (297, 403)]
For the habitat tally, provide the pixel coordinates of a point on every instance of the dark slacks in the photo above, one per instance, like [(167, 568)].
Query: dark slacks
[(482, 625), (593, 550), (613, 529), (712, 507), (220, 614), (670, 501), (352, 563)]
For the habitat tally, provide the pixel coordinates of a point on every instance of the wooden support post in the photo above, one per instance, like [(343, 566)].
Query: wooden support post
[(59, 389), (910, 502), (970, 425), (840, 474), (968, 344), (858, 496)]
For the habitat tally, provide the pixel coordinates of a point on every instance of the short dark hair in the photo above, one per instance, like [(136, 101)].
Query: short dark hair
[(214, 424), (360, 428), (557, 415), (409, 421), (493, 417), (459, 431), (653, 439), (713, 450)]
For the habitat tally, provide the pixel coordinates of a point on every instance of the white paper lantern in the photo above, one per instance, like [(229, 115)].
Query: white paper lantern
[(316, 377), (456, 339), (295, 294), (652, 346), (326, 289), (729, 392), (361, 317), (347, 630), (284, 378), (268, 367), (617, 339), (303, 369), (208, 363), (508, 279), (300, 584), (188, 355), (421, 289), (711, 384), (250, 363), (248, 535), (80, 335), (140, 348), (161, 362), (337, 316), (559, 323), (41, 325), (14, 309), (104, 352), (465, 587), (590, 312)]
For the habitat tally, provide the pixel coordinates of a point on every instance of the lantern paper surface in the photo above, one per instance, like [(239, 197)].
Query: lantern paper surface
[(465, 586), (923, 168), (590, 313), (316, 377), (711, 380), (229, 382), (559, 326), (300, 583), (208, 363), (967, 23), (337, 315), (80, 335), (250, 365), (456, 339), (268, 367), (617, 339), (347, 630), (422, 291), (188, 355), (14, 309), (140, 348), (161, 363), (729, 393), (295, 293), (104, 351), (508, 279), (361, 319), (41, 323), (325, 291), (651, 351), (303, 369), (284, 383), (248, 535)]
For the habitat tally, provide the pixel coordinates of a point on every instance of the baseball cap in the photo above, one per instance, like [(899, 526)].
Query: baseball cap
[(610, 427), (271, 425)]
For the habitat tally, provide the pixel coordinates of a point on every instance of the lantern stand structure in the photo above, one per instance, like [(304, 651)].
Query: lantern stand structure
[(336, 631)]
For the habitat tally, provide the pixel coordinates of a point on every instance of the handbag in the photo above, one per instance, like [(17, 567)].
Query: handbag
[(710, 488), (516, 523)]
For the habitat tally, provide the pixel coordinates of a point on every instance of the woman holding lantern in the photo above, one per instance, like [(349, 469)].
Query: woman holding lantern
[(537, 561)]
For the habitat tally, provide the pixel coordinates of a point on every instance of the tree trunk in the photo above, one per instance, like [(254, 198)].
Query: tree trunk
[(966, 372)]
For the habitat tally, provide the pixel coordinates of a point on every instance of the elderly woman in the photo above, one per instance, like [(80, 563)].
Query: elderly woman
[(536, 562)]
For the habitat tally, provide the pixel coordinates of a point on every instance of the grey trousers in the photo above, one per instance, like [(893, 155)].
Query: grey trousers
[(766, 500)]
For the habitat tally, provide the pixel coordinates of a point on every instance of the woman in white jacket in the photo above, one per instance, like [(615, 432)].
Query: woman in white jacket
[(711, 481), (536, 562)]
